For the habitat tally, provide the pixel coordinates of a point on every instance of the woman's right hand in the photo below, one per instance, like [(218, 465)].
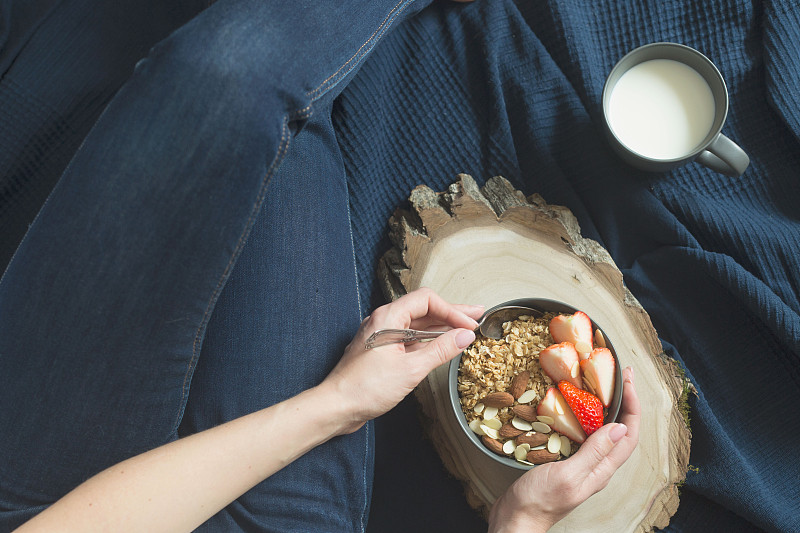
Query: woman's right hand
[(369, 382), (547, 493)]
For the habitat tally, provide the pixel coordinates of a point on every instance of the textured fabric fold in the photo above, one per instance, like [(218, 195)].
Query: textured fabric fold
[(714, 260)]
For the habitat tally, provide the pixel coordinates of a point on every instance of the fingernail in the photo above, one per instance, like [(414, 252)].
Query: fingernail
[(617, 432), (464, 338), (630, 369)]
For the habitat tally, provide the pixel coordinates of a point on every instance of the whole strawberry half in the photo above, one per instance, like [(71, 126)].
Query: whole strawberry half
[(564, 420), (599, 374), (587, 407), (560, 361), (575, 328)]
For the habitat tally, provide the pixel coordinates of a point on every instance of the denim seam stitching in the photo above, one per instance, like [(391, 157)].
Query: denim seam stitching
[(284, 144), (354, 60), (364, 478), (353, 248)]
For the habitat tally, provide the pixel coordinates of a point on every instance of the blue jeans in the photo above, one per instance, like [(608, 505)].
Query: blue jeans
[(194, 263)]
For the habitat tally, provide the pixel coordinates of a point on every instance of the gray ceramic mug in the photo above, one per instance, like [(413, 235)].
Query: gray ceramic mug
[(664, 105)]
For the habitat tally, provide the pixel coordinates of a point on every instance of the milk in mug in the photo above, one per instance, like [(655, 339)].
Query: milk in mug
[(661, 109)]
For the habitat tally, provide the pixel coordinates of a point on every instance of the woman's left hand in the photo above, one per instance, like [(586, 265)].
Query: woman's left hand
[(373, 381)]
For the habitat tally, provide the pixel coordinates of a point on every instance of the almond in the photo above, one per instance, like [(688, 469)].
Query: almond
[(539, 457), (535, 439), (599, 339), (508, 431), (498, 399), (525, 412), (493, 444), (519, 384)]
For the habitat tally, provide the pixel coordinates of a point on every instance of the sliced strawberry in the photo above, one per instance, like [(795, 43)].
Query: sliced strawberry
[(560, 361), (564, 421), (599, 375), (586, 406), (575, 328)]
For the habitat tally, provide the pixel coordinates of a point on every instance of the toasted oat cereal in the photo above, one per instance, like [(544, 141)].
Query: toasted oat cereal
[(489, 365)]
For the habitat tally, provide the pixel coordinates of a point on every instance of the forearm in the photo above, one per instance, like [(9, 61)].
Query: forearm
[(178, 486)]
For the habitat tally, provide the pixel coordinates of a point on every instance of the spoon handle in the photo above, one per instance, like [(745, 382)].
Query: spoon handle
[(382, 337)]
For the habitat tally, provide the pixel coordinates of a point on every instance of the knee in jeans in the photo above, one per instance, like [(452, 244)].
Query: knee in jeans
[(226, 55)]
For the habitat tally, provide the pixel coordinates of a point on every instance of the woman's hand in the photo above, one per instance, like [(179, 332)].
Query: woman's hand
[(373, 381), (547, 493)]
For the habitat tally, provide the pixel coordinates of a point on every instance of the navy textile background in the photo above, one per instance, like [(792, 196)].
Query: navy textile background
[(514, 88)]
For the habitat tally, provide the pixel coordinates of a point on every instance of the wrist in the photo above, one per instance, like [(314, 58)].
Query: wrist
[(506, 517), (336, 404)]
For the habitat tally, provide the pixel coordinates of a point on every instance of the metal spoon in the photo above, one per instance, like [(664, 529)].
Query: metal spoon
[(490, 325)]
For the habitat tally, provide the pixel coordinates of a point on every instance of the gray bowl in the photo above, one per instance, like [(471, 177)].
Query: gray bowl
[(542, 305)]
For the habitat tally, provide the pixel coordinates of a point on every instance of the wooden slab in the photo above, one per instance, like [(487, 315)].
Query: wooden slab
[(489, 245)]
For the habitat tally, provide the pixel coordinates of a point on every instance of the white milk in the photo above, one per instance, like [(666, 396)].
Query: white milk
[(661, 109)]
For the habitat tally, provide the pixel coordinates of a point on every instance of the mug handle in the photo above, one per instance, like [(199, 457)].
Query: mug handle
[(724, 156)]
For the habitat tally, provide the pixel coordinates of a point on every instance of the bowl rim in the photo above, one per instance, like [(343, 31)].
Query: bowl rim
[(545, 305)]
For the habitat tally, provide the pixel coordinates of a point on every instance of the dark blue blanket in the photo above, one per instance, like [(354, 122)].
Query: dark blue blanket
[(514, 88)]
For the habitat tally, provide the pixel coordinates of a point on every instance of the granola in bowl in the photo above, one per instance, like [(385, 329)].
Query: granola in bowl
[(490, 365), (534, 395)]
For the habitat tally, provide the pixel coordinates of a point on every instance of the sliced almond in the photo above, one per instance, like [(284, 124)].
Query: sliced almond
[(583, 347), (520, 453), (478, 409), (489, 432), (540, 447), (540, 427), (566, 446), (544, 419), (490, 412), (525, 446), (527, 397), (508, 447), (519, 423), (599, 339), (493, 423), (589, 383), (575, 371), (554, 443), (475, 426)]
